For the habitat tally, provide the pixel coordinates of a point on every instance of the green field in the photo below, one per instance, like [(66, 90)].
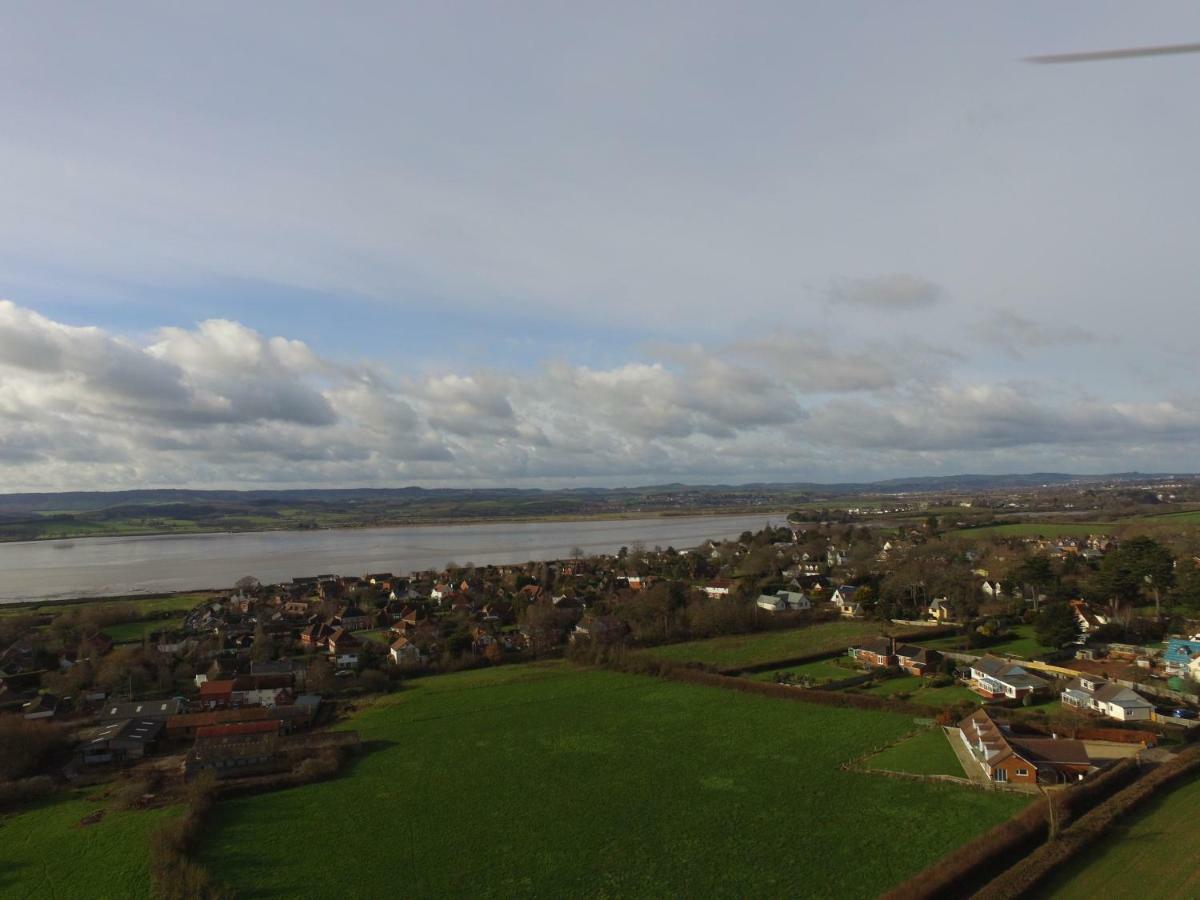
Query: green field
[(543, 780), (1035, 529), (1021, 643), (919, 691), (145, 607), (131, 632), (1152, 855), (926, 753), (820, 671), (45, 852), (767, 646)]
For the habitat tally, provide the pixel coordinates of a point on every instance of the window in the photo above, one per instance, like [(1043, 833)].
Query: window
[(1001, 775), (1022, 773)]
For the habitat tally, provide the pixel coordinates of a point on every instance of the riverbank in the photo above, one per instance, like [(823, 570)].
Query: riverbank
[(65, 570), (442, 521)]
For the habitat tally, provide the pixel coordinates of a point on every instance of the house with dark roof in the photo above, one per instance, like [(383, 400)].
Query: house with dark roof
[(917, 660), (1108, 699), (1006, 757), (998, 679), (878, 652)]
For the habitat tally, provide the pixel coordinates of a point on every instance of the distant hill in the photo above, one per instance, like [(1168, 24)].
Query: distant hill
[(83, 501)]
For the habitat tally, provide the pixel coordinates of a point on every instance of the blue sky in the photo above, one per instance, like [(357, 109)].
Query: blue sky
[(551, 244)]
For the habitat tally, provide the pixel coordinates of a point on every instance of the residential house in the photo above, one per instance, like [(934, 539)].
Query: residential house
[(917, 660), (1108, 699), (351, 618), (1089, 620), (783, 601), (404, 652), (1006, 757), (1179, 655), (998, 679), (843, 599), (876, 652), (344, 648), (939, 609), (217, 694)]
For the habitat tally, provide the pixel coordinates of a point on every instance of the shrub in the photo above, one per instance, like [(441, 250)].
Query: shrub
[(15, 793), (24, 745)]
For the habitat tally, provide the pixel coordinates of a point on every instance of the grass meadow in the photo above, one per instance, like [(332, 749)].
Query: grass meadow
[(1048, 530), (1151, 856), (926, 753), (544, 780), (46, 853), (766, 646)]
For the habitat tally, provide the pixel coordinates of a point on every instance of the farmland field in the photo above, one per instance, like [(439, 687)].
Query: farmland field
[(920, 691), (1152, 855), (544, 780), (820, 671), (1034, 529), (767, 646), (45, 852), (925, 753), (1020, 643)]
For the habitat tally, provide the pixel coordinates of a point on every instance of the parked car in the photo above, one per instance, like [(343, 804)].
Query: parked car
[(1184, 713)]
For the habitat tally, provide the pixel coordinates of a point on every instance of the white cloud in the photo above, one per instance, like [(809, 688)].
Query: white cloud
[(221, 404)]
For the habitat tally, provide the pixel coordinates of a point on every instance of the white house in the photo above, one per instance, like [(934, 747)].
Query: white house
[(843, 599), (782, 601), (995, 678), (1108, 699)]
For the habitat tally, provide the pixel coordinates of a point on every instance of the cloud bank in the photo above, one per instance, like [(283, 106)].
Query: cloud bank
[(220, 404)]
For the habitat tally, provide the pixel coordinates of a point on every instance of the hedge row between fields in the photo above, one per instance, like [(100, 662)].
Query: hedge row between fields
[(1022, 879), (963, 871)]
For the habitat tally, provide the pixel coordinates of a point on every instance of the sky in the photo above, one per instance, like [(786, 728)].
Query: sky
[(544, 244)]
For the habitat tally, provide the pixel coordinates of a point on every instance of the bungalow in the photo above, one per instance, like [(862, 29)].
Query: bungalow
[(1005, 757), (1179, 655), (917, 660), (875, 652), (997, 679), (782, 601), (1108, 699)]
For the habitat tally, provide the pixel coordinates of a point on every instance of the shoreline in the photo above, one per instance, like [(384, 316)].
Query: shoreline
[(438, 523), (131, 593)]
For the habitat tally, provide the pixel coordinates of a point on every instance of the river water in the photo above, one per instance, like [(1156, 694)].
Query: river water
[(97, 567)]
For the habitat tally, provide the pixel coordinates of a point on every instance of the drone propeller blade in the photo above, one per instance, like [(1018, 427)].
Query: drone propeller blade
[(1100, 55)]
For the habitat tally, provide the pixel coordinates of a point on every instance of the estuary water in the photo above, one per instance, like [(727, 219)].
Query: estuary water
[(97, 567)]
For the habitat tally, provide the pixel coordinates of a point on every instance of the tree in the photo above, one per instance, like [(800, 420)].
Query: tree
[(1037, 573), (1056, 626), (248, 584), (1141, 563)]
